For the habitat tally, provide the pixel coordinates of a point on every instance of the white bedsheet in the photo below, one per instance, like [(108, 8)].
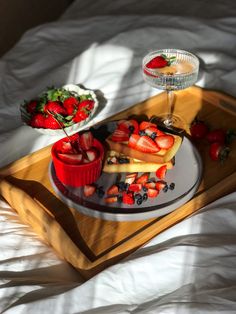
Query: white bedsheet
[(191, 267)]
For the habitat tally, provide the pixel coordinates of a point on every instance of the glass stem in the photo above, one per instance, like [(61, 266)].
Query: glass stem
[(170, 104)]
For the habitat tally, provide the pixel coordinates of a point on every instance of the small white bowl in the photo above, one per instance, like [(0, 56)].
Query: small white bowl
[(25, 116)]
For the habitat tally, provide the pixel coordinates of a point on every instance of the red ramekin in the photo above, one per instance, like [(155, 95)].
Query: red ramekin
[(81, 174)]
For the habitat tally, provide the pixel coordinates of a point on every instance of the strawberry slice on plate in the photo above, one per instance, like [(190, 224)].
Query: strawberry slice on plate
[(89, 190), (111, 199), (153, 130), (113, 190), (133, 140), (160, 185), (128, 198), (147, 145), (131, 177), (135, 187), (161, 172), (152, 192), (165, 141), (71, 158), (129, 126), (146, 124), (120, 136), (143, 178)]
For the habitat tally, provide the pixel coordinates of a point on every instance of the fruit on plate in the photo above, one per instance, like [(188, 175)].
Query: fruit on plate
[(59, 108), (136, 188), (118, 162), (144, 142)]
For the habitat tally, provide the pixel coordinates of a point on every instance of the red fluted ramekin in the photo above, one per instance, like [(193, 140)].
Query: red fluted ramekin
[(81, 174)]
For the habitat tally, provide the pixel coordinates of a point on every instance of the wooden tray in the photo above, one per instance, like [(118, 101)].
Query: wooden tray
[(90, 244)]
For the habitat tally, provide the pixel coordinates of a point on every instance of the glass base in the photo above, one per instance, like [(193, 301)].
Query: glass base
[(172, 122)]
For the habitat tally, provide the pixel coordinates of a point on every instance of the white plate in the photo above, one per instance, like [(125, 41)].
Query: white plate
[(186, 175), (71, 129)]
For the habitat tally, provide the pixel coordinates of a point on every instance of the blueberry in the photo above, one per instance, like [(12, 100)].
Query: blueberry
[(153, 135), (119, 198), (142, 133), (145, 197), (139, 201), (172, 186), (123, 160), (138, 196), (165, 189), (121, 186), (100, 192), (126, 186), (144, 189), (131, 128)]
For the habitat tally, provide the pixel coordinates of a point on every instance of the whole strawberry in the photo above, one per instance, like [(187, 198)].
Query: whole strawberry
[(80, 116), (54, 107), (70, 104), (160, 62), (87, 104), (37, 121), (31, 106), (51, 123)]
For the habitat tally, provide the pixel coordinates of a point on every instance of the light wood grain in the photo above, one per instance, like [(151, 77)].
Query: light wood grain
[(90, 244)]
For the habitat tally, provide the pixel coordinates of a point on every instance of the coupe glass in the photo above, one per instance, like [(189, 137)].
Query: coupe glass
[(181, 73)]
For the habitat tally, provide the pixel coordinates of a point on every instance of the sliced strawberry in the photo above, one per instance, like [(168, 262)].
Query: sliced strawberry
[(149, 185), (131, 177), (66, 148), (145, 124), (92, 153), (123, 125), (71, 158), (128, 198), (111, 199), (86, 140), (152, 129), (120, 136), (152, 192), (135, 187), (157, 62), (147, 145), (143, 178), (113, 190), (160, 185), (133, 139), (134, 126), (161, 172), (165, 141), (89, 190)]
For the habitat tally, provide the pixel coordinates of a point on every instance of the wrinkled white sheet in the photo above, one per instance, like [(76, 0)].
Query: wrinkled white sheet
[(190, 268)]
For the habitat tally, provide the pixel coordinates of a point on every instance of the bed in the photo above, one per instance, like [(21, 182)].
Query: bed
[(189, 268)]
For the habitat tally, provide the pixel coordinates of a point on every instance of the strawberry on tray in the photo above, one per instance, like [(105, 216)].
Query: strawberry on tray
[(69, 107)]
